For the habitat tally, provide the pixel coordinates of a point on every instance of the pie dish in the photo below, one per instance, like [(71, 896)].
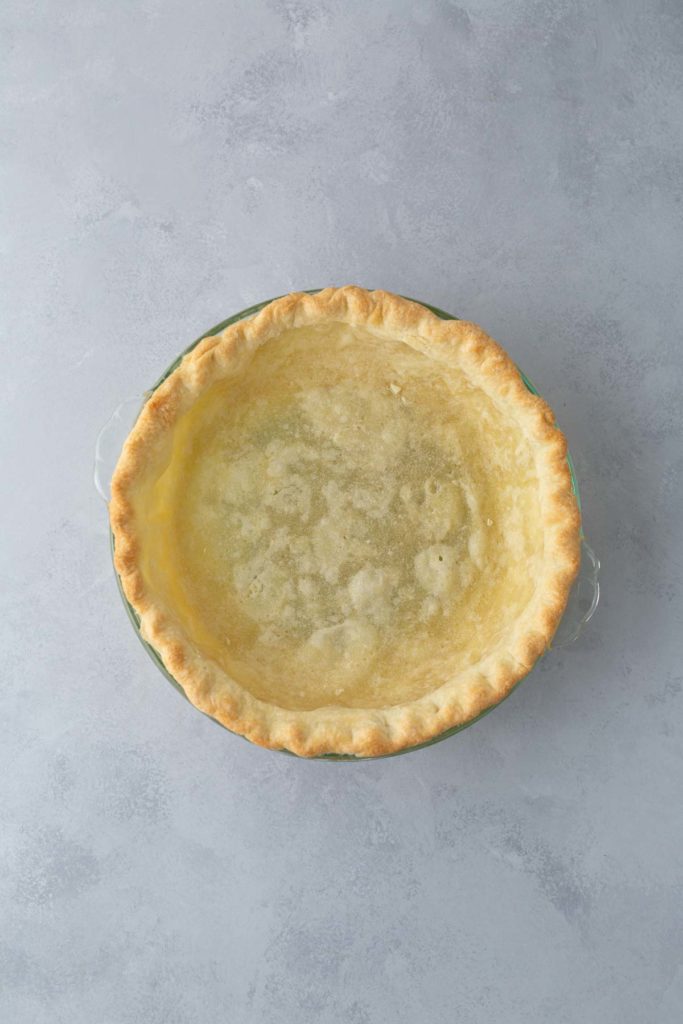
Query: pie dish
[(345, 524)]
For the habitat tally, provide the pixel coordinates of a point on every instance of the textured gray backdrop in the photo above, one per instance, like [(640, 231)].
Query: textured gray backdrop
[(167, 163)]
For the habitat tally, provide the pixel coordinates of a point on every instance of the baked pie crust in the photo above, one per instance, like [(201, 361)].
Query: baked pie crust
[(346, 525)]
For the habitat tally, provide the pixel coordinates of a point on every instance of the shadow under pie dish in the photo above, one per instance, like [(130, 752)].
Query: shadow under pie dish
[(345, 524)]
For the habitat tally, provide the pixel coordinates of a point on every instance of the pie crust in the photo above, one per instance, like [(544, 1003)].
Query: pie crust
[(346, 525)]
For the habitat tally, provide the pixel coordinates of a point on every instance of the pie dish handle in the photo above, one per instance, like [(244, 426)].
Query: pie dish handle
[(110, 442), (583, 598)]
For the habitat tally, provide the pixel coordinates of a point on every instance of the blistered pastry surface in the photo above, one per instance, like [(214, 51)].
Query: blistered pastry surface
[(345, 523)]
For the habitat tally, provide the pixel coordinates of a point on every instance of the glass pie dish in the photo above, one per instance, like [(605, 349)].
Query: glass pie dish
[(583, 597)]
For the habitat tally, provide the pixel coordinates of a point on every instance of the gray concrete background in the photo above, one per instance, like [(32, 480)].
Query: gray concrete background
[(166, 164)]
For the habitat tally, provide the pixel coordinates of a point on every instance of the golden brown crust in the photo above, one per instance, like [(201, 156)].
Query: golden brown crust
[(362, 732)]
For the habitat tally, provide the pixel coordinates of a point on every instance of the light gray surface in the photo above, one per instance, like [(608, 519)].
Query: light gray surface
[(517, 163)]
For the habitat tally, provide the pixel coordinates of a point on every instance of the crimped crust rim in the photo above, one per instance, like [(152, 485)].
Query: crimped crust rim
[(335, 730)]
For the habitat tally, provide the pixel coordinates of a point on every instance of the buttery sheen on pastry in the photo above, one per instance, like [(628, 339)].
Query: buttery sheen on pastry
[(346, 524)]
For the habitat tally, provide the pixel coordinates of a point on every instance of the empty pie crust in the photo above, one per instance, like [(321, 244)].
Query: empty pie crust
[(345, 524)]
